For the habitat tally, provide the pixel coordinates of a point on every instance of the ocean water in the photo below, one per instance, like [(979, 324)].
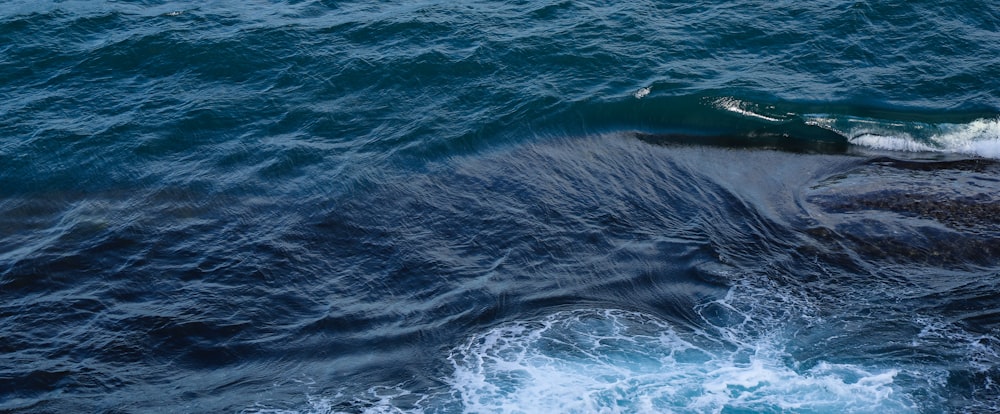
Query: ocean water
[(523, 207)]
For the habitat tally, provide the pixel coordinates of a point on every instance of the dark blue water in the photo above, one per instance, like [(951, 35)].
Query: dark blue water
[(532, 206)]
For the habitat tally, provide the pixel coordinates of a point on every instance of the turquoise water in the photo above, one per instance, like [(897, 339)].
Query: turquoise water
[(320, 206)]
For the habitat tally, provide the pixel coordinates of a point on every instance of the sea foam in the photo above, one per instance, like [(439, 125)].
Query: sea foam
[(980, 137), (609, 361)]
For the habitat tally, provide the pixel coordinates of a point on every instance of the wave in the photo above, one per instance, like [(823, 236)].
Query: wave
[(756, 287), (730, 121), (979, 137)]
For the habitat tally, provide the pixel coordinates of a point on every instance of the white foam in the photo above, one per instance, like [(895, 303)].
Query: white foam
[(608, 361), (980, 137), (742, 108), (891, 143), (642, 92)]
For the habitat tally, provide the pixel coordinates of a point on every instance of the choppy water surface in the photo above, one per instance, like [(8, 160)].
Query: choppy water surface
[(313, 207)]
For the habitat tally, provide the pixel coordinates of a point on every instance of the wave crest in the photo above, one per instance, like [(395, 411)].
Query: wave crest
[(980, 137)]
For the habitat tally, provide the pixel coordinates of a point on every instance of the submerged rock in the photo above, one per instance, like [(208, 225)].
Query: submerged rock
[(937, 211)]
